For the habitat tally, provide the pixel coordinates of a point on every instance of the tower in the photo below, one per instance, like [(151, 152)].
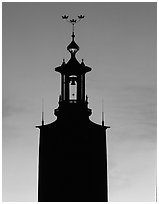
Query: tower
[(72, 149)]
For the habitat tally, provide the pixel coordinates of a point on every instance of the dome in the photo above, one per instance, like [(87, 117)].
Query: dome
[(73, 47)]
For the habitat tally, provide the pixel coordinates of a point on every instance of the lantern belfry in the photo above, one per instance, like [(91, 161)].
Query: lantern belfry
[(72, 149)]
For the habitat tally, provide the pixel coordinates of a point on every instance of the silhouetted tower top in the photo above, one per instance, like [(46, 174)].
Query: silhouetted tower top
[(73, 99), (73, 47), (73, 66)]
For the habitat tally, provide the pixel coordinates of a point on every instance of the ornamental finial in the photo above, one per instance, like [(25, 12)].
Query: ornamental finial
[(102, 112), (73, 22), (42, 115)]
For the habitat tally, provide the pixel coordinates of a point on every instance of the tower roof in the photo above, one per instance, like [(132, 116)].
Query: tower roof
[(73, 67)]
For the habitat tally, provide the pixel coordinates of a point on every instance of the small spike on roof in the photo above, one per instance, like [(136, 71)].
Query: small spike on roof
[(82, 63), (63, 63)]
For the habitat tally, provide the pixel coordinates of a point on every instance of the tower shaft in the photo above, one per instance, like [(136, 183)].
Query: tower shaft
[(72, 149)]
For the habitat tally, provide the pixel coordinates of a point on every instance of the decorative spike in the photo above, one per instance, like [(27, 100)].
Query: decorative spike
[(63, 62), (82, 63), (102, 113), (42, 121), (73, 22), (156, 188)]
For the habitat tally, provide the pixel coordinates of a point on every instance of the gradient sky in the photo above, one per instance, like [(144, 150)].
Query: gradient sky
[(118, 40)]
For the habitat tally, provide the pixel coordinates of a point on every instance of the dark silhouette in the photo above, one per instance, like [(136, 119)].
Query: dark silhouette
[(72, 152)]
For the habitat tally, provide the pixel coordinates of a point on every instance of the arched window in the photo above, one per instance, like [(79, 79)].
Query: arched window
[(73, 88)]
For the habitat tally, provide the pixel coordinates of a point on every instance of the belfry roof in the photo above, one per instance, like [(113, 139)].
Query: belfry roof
[(73, 67)]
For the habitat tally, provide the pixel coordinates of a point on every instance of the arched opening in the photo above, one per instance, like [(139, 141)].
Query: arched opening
[(73, 89)]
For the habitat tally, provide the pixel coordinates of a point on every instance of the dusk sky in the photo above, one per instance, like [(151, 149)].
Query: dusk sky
[(119, 42)]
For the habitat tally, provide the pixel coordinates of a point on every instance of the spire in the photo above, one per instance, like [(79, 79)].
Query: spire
[(102, 113), (42, 115), (73, 33), (156, 188)]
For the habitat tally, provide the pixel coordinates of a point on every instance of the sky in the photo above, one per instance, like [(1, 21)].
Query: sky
[(119, 42)]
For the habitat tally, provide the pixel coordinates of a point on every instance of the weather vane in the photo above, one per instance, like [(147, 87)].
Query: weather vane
[(72, 21)]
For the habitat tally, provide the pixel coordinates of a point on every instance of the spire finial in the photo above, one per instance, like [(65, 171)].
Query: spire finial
[(73, 22), (42, 116), (156, 188), (102, 112)]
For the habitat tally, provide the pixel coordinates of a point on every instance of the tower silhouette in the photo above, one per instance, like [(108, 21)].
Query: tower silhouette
[(72, 149)]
